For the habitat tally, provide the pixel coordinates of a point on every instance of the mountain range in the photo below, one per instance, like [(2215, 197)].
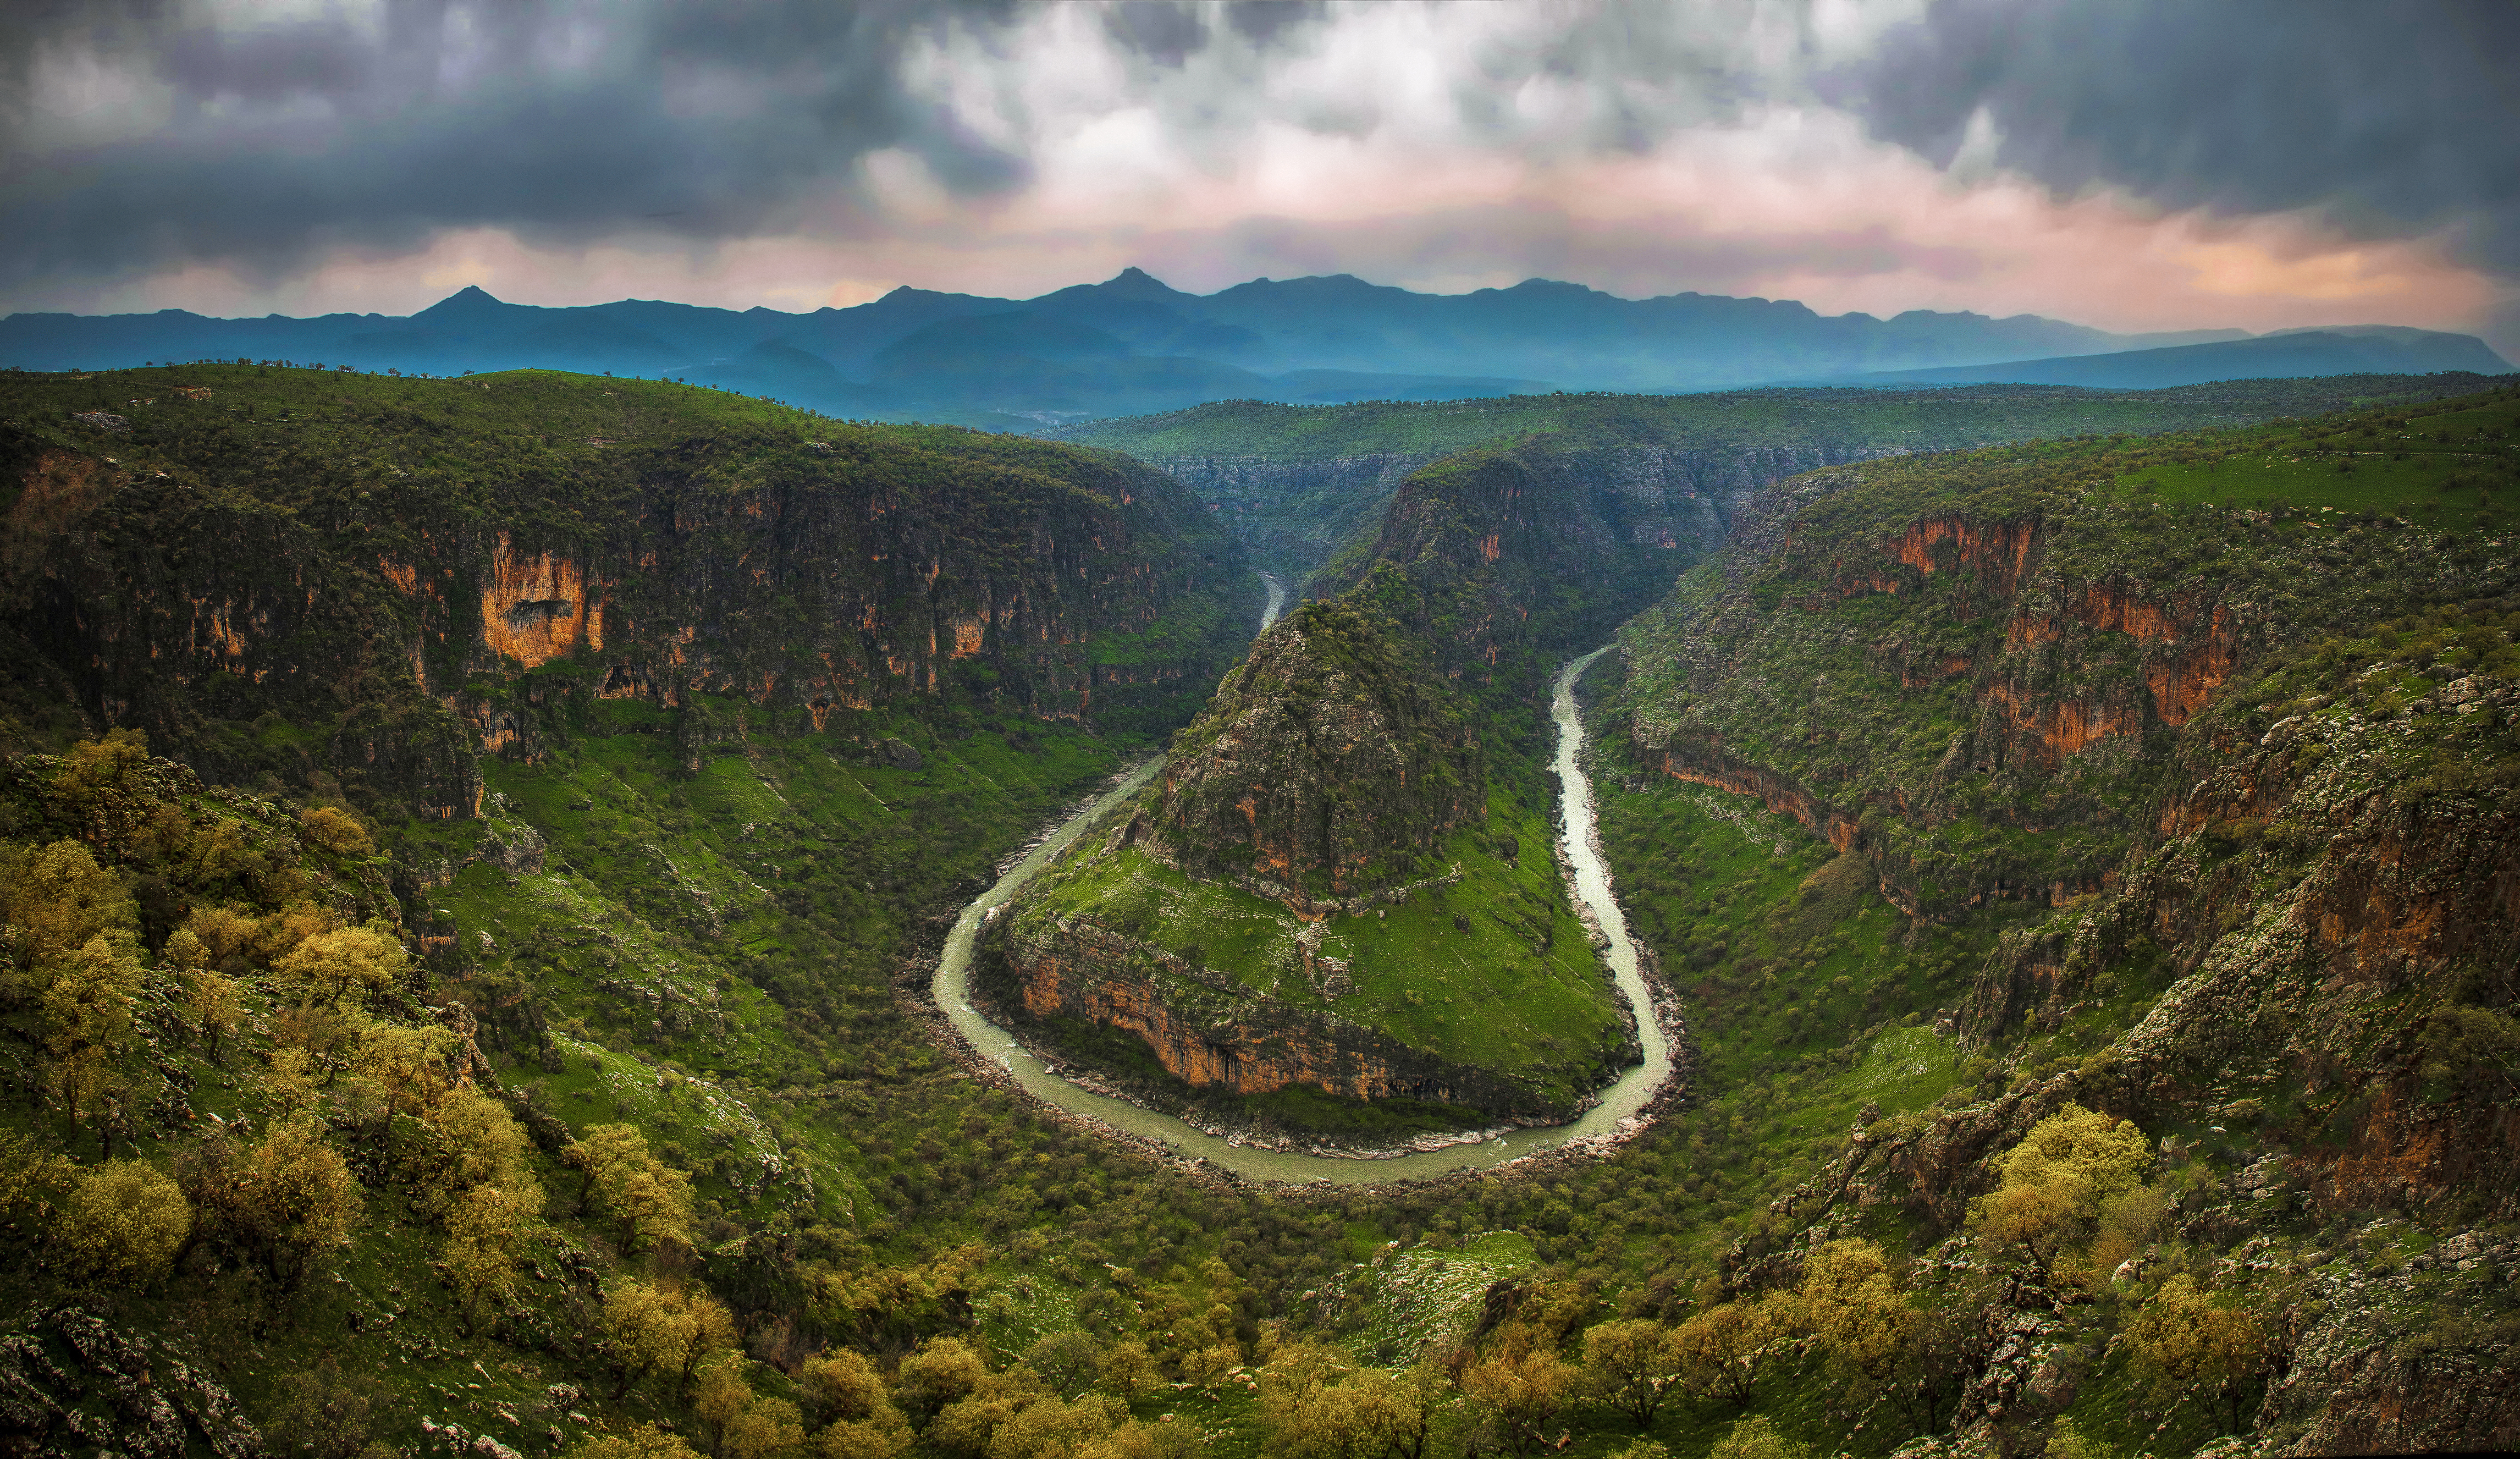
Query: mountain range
[(1132, 345)]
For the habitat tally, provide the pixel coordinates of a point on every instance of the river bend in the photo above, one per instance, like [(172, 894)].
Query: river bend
[(1619, 1102)]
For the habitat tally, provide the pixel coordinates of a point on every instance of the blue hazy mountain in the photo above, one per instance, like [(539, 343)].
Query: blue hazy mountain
[(1132, 345), (2360, 350)]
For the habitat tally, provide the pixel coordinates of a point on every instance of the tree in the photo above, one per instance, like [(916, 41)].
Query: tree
[(2185, 1342), (1068, 1361), (336, 830), (1129, 1370), (651, 1199), (1317, 1404), (1049, 1427), (487, 1230), (349, 963), (2056, 1180), (651, 1328), (719, 1394), (845, 1394), (767, 1429), (281, 1201), (87, 1026), (1519, 1395), (1630, 1365), (33, 1180), (473, 1140), (216, 1006), (62, 898), (1722, 1347), (643, 1441), (943, 1371), (854, 1438), (1848, 1302), (843, 1384), (327, 1413), (125, 1223)]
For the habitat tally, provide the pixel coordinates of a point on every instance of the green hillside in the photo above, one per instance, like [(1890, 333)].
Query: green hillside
[(1789, 416)]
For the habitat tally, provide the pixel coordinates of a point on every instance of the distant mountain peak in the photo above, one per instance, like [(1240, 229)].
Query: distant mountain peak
[(470, 300), (1136, 283)]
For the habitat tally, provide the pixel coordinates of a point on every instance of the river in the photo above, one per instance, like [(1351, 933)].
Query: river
[(1623, 1099)]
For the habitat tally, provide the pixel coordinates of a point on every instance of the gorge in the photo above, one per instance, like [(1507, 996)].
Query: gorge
[(552, 820)]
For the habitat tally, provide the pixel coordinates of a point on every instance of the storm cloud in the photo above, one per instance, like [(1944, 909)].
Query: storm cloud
[(146, 135), (2388, 120), (1876, 154)]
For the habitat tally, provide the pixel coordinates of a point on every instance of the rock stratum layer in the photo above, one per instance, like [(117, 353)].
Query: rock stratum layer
[(1212, 1033)]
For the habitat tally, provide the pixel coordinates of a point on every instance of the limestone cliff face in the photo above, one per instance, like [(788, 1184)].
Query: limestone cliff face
[(1213, 1034), (1880, 669), (1326, 765), (799, 580)]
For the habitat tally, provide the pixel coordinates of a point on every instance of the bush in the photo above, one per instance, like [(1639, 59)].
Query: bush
[(124, 1222)]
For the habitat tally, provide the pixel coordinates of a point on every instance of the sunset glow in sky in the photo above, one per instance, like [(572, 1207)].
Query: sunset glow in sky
[(2132, 166)]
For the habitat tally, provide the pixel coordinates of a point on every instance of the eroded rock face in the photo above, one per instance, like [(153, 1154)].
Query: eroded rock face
[(72, 1383), (1327, 765), (1212, 1033), (810, 585)]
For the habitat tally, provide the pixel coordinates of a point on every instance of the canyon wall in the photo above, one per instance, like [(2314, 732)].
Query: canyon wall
[(1213, 1034), (1295, 513), (799, 580)]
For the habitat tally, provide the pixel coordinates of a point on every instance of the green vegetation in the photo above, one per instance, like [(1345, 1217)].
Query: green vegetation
[(2139, 1077), (2451, 465), (1928, 420)]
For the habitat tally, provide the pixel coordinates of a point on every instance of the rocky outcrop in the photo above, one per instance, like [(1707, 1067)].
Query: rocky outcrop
[(1213, 1034), (72, 1381), (1326, 765)]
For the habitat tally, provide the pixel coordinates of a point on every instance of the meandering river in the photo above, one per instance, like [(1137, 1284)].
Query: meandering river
[(1622, 1100)]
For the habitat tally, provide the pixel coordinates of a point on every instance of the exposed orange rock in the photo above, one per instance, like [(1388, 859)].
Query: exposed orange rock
[(534, 609), (1094, 976), (1997, 551)]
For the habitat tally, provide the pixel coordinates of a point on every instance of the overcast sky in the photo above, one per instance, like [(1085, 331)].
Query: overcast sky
[(2129, 163)]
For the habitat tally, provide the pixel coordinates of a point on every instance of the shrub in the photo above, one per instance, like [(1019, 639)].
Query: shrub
[(124, 1222)]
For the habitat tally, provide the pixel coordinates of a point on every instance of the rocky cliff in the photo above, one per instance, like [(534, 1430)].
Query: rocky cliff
[(399, 585), (1210, 1031), (2233, 796)]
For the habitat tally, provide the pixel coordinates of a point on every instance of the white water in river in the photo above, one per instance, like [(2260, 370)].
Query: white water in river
[(1623, 1099), (1277, 600)]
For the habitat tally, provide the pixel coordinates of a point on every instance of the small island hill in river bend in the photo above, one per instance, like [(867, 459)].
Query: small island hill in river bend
[(1121, 823)]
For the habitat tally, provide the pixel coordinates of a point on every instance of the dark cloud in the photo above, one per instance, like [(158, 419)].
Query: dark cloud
[(2391, 119), (1158, 30), (560, 121)]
